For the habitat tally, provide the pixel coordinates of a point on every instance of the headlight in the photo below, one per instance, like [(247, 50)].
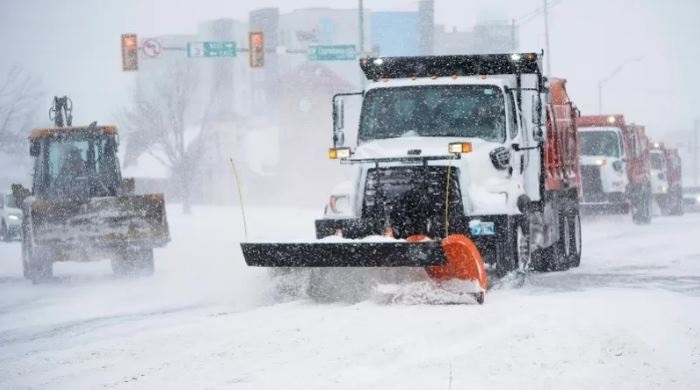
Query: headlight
[(339, 204), (13, 218), (601, 162)]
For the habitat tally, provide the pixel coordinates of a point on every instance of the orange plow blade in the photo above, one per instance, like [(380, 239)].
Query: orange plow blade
[(464, 261)]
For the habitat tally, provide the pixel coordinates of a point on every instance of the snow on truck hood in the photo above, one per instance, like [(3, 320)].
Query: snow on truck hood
[(485, 187)]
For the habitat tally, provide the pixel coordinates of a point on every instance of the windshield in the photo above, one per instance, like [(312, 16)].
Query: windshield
[(434, 111), (82, 166), (10, 201), (656, 161), (600, 143)]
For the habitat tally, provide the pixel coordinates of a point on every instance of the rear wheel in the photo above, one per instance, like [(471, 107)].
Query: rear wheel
[(676, 207), (134, 262), (574, 242), (4, 234)]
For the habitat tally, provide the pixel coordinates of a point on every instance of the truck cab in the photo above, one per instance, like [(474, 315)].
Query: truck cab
[(470, 144), (603, 172), (666, 179), (659, 180)]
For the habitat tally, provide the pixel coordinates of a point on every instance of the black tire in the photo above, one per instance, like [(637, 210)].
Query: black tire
[(3, 232), (556, 256), (523, 248), (641, 212), (559, 251), (36, 265), (573, 221), (507, 251), (676, 207), (134, 262)]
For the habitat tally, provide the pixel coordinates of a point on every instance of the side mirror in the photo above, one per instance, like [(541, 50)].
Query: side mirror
[(537, 133), (338, 122), (338, 114), (34, 148), (129, 185), (515, 147), (20, 193)]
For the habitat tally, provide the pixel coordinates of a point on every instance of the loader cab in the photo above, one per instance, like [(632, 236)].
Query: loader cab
[(75, 162)]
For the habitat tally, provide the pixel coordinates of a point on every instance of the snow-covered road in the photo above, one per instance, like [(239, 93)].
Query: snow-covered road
[(629, 317)]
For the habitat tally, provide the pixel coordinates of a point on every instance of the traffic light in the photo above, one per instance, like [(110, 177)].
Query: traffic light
[(257, 49), (130, 52)]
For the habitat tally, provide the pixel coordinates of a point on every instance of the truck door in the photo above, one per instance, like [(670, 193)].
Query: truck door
[(519, 157), (346, 119)]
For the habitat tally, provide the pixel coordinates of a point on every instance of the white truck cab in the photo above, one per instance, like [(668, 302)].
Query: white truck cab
[(457, 144), (603, 171), (659, 181)]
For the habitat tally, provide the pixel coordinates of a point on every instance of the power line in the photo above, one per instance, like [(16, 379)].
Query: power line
[(536, 12)]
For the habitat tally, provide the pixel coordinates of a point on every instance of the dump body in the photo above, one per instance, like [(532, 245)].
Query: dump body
[(562, 150)]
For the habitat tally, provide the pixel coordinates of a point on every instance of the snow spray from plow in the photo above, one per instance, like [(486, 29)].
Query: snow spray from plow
[(453, 258)]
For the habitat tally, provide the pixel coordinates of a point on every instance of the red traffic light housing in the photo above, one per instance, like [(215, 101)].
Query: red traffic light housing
[(130, 52), (256, 42)]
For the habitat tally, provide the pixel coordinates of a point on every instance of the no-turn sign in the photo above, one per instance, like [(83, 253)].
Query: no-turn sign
[(152, 48)]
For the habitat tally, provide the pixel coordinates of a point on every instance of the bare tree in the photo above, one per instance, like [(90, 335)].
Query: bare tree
[(20, 96), (163, 122)]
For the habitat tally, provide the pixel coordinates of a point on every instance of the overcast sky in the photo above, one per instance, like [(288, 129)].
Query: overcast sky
[(73, 46)]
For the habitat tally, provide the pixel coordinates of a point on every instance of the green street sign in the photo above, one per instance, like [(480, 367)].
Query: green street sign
[(211, 49), (332, 53)]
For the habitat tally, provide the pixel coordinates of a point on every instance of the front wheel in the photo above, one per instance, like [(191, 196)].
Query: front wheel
[(133, 262), (641, 210), (36, 266)]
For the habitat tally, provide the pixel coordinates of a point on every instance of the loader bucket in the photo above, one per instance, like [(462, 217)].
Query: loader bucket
[(344, 254), (134, 220)]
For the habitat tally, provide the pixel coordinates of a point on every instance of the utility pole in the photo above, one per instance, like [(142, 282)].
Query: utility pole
[(361, 36), (548, 55), (361, 27), (695, 150)]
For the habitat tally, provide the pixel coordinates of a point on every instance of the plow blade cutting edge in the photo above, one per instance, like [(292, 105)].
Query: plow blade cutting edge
[(365, 254)]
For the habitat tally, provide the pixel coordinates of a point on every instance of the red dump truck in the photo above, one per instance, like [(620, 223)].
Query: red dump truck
[(615, 168), (666, 179)]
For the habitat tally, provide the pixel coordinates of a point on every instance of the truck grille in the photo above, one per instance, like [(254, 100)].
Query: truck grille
[(412, 198), (592, 184)]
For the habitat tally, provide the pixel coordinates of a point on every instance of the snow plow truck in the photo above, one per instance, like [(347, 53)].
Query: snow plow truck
[(615, 167), (79, 208), (666, 179), (464, 164)]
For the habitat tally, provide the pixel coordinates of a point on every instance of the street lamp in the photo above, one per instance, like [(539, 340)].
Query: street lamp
[(610, 76)]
